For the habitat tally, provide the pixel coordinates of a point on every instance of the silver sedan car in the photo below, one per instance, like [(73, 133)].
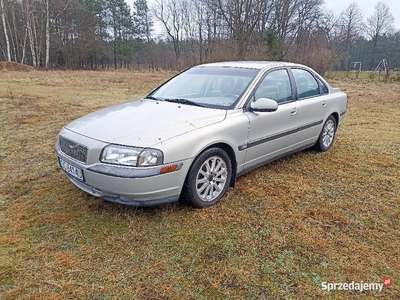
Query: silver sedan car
[(195, 134)]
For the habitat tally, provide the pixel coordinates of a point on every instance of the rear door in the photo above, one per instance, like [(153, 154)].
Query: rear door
[(311, 107)]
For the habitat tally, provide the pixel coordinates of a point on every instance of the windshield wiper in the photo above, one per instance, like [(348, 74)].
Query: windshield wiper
[(154, 98), (184, 101)]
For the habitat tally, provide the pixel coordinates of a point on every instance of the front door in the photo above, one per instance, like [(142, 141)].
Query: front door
[(271, 133)]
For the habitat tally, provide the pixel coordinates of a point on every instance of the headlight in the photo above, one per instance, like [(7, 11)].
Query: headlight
[(131, 156)]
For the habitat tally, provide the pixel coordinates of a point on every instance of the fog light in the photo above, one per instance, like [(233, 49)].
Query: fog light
[(96, 192)]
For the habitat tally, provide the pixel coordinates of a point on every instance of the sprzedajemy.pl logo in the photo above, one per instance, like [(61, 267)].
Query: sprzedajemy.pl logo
[(356, 286)]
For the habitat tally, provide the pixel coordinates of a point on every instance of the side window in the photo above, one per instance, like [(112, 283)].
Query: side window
[(275, 86), (324, 87), (306, 84)]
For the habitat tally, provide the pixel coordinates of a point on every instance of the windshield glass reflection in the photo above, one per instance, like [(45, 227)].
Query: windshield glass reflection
[(210, 86)]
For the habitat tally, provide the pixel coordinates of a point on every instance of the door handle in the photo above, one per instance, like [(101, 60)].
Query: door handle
[(323, 103), (293, 111)]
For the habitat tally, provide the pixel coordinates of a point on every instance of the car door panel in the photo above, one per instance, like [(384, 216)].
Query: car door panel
[(310, 118), (311, 107), (270, 134)]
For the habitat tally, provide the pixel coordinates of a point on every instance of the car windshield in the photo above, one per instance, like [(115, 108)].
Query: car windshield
[(209, 86)]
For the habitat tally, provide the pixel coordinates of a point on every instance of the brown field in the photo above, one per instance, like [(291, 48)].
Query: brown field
[(282, 231)]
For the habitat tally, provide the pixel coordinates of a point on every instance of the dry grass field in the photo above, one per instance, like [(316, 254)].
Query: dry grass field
[(282, 231)]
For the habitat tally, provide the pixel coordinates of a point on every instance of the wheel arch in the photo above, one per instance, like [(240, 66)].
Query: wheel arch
[(231, 153), (336, 116)]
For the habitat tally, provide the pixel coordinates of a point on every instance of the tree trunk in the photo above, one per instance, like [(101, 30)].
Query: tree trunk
[(375, 42), (24, 46), (47, 34), (31, 41), (16, 39), (3, 17)]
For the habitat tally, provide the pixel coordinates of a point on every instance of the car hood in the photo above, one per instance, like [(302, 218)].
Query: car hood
[(144, 122)]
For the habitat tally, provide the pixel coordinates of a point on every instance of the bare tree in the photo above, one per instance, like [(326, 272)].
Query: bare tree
[(241, 17), (13, 31), (303, 22), (3, 17), (351, 23), (284, 12), (171, 14), (47, 12), (200, 10), (350, 26), (47, 59), (31, 30), (380, 23)]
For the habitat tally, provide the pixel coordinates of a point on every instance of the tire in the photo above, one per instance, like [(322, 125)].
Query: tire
[(208, 178), (327, 135)]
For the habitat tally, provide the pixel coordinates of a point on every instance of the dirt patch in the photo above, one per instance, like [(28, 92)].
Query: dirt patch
[(15, 66)]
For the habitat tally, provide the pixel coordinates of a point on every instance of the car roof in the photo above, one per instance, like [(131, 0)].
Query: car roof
[(249, 64)]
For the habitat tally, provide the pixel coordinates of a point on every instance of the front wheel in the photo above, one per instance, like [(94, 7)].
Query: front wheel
[(327, 135), (208, 178)]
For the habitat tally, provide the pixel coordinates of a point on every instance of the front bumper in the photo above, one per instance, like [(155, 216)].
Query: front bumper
[(121, 199), (143, 186)]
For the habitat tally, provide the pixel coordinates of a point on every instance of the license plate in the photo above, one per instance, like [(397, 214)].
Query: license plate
[(71, 170)]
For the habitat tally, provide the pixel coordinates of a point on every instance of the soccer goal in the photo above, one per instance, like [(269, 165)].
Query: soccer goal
[(355, 66)]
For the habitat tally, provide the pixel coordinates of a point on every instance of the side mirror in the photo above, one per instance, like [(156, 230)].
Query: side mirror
[(264, 105)]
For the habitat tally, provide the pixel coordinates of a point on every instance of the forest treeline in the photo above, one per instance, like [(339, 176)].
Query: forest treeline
[(97, 34)]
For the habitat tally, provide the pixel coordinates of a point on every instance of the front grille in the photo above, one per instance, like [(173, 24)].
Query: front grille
[(73, 149)]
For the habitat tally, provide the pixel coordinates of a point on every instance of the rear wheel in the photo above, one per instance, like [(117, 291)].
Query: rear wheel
[(208, 178), (327, 135)]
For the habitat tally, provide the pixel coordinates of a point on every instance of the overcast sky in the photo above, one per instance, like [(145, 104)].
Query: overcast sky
[(367, 7)]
